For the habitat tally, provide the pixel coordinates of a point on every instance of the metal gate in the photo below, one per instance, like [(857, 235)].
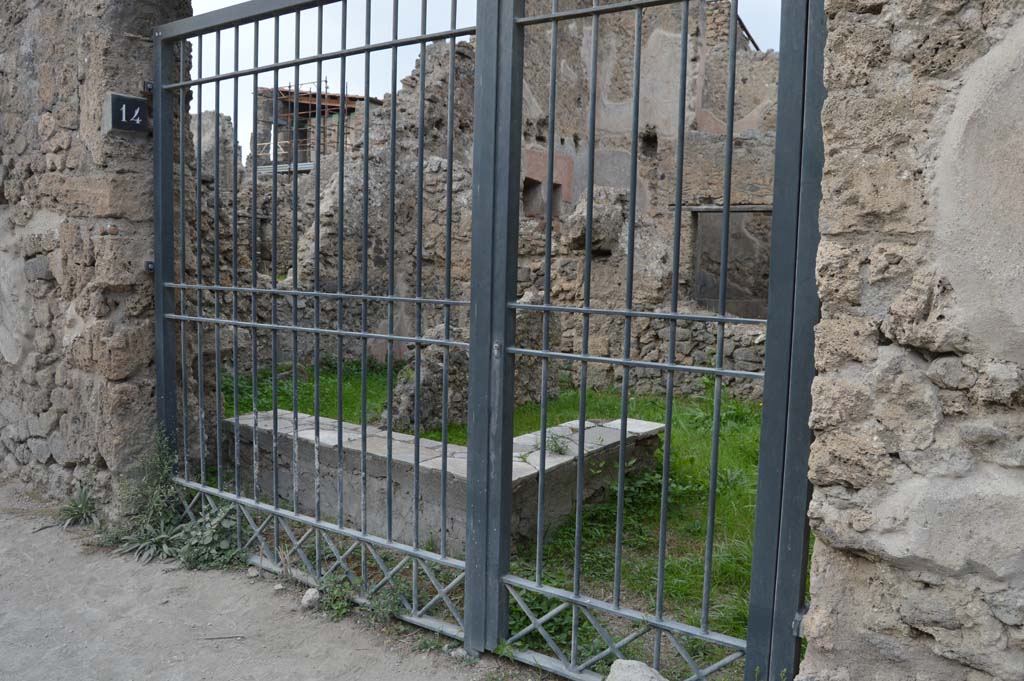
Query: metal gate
[(331, 263)]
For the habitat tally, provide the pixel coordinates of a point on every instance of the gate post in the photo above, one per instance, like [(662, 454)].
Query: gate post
[(779, 572), (163, 243), (496, 158)]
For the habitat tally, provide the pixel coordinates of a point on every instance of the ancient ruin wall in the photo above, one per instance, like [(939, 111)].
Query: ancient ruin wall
[(76, 316), (703, 136), (918, 462)]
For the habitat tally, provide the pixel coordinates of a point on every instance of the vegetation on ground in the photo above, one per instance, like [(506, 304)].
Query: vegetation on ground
[(80, 509), (336, 596), (150, 542), (209, 542), (376, 390), (154, 525), (387, 604), (339, 599)]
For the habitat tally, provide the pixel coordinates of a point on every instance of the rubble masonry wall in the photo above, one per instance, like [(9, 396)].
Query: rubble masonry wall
[(918, 458), (76, 314)]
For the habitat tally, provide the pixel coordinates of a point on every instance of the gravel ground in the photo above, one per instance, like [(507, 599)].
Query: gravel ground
[(70, 611)]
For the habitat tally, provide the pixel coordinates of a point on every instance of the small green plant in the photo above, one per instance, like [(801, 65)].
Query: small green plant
[(430, 643), (151, 508), (150, 542), (110, 535), (430, 544), (208, 542), (731, 480), (80, 510), (405, 374), (558, 444), (505, 650), (149, 495), (336, 596), (385, 605)]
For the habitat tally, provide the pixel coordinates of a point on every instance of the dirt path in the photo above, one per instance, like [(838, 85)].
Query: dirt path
[(70, 612)]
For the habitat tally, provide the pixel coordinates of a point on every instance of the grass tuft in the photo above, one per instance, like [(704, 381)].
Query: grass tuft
[(79, 510)]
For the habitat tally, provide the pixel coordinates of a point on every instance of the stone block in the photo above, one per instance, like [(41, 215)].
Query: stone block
[(632, 670), (601, 444)]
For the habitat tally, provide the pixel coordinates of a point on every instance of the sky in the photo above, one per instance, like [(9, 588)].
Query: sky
[(760, 16)]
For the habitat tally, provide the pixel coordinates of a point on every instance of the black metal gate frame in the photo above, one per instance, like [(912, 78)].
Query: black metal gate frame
[(781, 537)]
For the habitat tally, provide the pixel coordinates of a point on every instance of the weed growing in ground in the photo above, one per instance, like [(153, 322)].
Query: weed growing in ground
[(386, 604), (148, 542), (208, 542), (152, 527), (151, 507), (505, 650), (149, 495), (430, 643), (80, 510), (336, 597)]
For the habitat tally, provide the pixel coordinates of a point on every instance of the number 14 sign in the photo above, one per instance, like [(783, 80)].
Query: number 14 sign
[(123, 113)]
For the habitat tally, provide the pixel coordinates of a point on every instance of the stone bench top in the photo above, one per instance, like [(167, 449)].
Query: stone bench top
[(562, 441)]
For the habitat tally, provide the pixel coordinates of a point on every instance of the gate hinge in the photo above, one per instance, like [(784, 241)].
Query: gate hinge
[(798, 622), (150, 267)]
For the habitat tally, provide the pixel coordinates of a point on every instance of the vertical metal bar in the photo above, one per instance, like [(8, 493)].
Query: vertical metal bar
[(216, 266), (677, 228), (316, 280), (418, 359), (295, 269), (496, 158), (627, 322), (200, 386), (340, 343), (779, 340), (546, 322), (275, 160), (365, 281), (254, 257), (234, 294), (780, 540), (794, 532), (163, 174), (577, 560), (392, 147), (723, 289), (182, 113), (446, 352)]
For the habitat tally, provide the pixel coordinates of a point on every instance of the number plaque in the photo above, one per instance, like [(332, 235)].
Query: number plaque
[(126, 114)]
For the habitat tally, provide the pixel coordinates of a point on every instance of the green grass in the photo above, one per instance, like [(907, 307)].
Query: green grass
[(686, 519), (376, 393), (692, 422)]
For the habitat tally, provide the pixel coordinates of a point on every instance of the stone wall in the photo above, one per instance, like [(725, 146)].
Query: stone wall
[(703, 134), (76, 316), (918, 461)]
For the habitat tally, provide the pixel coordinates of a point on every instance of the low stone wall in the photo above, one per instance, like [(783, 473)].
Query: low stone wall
[(601, 444)]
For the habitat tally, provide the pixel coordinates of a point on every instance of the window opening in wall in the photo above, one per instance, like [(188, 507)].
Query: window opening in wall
[(535, 201)]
